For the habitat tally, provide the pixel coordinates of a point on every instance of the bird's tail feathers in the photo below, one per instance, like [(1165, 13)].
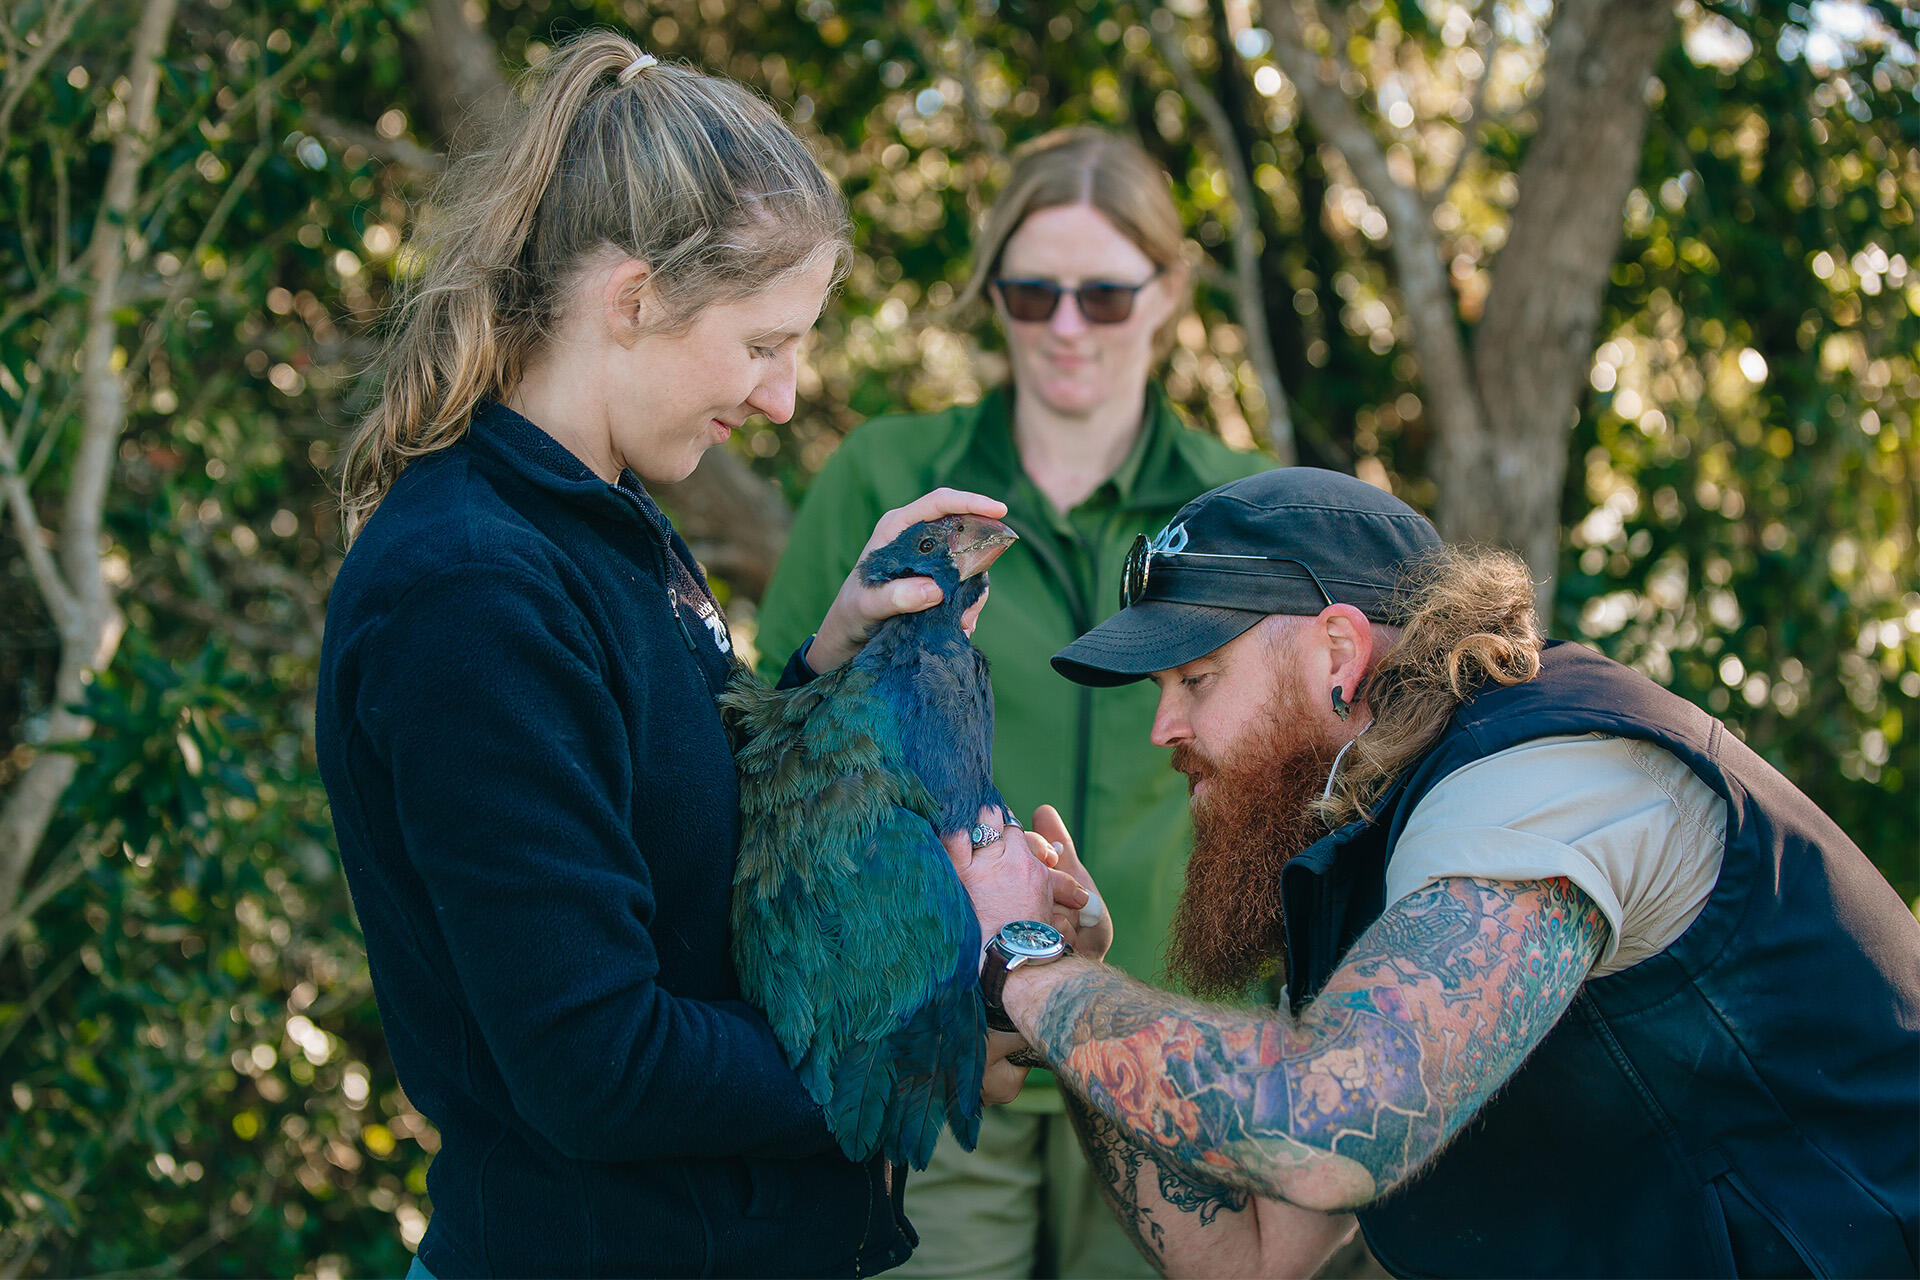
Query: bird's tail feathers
[(914, 1116), (863, 1082), (892, 1094), (816, 1075), (964, 1059)]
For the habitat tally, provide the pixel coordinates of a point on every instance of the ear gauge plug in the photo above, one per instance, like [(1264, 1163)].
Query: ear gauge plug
[(1341, 707)]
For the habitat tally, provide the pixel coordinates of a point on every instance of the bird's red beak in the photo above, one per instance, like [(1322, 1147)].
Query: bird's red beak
[(977, 542)]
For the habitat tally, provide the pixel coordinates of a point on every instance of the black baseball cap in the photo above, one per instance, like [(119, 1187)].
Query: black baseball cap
[(1292, 540)]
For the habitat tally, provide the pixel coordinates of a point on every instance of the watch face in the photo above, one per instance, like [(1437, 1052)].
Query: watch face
[(1030, 938)]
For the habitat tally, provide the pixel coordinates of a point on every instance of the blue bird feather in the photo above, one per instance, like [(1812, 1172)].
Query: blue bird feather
[(851, 932)]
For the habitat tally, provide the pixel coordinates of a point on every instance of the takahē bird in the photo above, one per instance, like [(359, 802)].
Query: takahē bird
[(851, 931)]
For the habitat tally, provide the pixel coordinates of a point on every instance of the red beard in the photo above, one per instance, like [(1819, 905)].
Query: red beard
[(1252, 820)]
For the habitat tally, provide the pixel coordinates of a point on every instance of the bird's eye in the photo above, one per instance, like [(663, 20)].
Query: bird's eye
[(926, 545)]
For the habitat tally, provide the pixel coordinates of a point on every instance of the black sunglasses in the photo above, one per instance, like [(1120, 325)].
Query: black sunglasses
[(1134, 572), (1100, 301)]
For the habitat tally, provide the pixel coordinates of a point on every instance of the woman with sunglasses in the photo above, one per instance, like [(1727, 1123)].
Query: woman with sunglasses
[(1083, 261)]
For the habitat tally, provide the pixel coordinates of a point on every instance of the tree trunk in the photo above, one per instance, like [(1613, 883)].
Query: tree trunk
[(1503, 413), (1426, 296), (1249, 294), (466, 91), (1501, 484), (89, 618)]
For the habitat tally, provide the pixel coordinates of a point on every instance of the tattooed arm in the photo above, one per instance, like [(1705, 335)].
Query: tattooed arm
[(1430, 1012), (1187, 1226)]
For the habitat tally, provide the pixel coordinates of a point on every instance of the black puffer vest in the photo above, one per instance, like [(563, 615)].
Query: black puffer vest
[(1747, 1102)]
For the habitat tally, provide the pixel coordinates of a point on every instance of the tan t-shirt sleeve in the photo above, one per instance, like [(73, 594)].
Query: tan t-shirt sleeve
[(1625, 820)]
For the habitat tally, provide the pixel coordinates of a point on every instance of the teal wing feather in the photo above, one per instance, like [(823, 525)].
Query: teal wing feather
[(851, 931)]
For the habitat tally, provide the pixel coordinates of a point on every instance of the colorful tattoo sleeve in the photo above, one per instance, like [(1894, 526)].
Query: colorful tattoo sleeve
[(1435, 1006), (1126, 1166)]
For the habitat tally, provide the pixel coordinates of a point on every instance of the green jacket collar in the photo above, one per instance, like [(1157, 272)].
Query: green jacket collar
[(1157, 473)]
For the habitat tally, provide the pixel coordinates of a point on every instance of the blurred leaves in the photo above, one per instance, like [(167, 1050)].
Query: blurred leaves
[(1744, 526), (189, 1054), (195, 1076)]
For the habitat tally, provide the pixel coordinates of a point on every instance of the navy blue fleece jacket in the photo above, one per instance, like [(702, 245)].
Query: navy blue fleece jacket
[(537, 813)]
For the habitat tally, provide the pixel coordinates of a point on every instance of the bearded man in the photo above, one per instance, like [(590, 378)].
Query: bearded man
[(1555, 941)]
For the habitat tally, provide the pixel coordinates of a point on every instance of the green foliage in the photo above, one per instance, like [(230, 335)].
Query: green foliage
[(196, 1078), (1745, 525), (190, 1079)]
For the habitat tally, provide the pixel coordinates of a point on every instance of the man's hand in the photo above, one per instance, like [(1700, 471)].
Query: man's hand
[(858, 608), (1088, 929), (1012, 878), (1004, 1076), (1027, 875)]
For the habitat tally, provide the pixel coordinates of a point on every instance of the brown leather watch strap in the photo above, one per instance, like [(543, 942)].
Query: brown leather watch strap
[(993, 984)]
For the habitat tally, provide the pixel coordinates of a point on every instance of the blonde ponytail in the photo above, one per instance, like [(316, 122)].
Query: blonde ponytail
[(692, 174)]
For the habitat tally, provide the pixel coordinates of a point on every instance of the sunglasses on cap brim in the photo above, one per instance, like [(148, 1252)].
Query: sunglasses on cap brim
[(1100, 301), (1138, 567)]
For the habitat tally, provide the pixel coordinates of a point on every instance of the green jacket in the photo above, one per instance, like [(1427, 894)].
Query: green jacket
[(1085, 751)]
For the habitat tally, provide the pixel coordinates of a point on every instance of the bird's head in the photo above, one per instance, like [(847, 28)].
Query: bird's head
[(950, 550)]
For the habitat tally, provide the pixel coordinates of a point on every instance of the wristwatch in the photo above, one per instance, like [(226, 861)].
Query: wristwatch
[(1021, 943)]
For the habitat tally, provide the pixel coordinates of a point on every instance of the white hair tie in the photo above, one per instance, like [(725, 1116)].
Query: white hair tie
[(635, 67)]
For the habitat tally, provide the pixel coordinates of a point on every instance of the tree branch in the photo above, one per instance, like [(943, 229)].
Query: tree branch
[(59, 25), (49, 285), (18, 497), (103, 406), (92, 634), (1453, 401), (400, 151), (986, 138), (468, 93), (220, 621), (63, 873), (1249, 290), (28, 1009), (1536, 335), (32, 538), (216, 220)]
